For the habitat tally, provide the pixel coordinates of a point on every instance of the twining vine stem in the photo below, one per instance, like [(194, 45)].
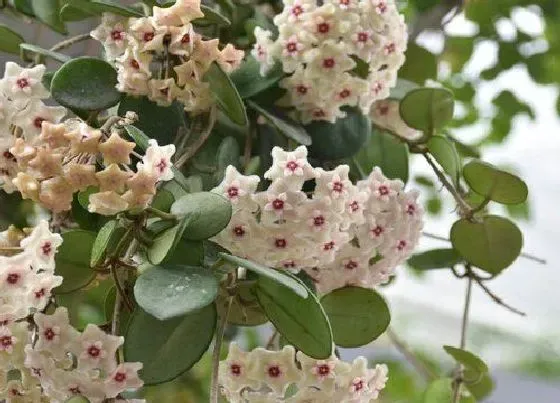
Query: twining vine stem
[(214, 384), (70, 41), (459, 371)]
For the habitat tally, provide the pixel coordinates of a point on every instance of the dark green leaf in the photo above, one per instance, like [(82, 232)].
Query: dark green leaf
[(285, 125), (72, 260), (491, 244), (357, 315), (83, 196), (9, 40), (47, 11), (207, 213), (386, 152), (24, 6), (248, 80), (166, 242), (245, 309), (190, 253), (163, 200), (168, 348), (226, 94), (480, 388), (75, 10), (211, 17), (86, 84), (109, 307), (302, 321), (445, 153), (467, 358), (45, 52), (228, 154), (102, 242), (427, 109), (420, 65), (342, 139), (77, 399), (495, 184), (174, 290), (275, 275), (435, 259)]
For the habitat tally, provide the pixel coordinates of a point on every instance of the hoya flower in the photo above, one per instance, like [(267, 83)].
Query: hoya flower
[(124, 377), (106, 203), (112, 33), (54, 332), (42, 245), (32, 117), (22, 83), (234, 370), (237, 188), (291, 165), (116, 150), (157, 160), (97, 349), (276, 369)]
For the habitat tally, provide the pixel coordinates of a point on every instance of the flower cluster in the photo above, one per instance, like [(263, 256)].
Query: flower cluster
[(343, 52), (339, 233), (385, 114), (162, 57), (48, 162), (264, 376)]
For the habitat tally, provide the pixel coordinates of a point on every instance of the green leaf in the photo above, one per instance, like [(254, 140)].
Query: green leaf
[(211, 17), (248, 80), (208, 213), (480, 389), (190, 253), (102, 242), (441, 391), (86, 84), (77, 399), (402, 88), (109, 308), (226, 94), (45, 52), (159, 122), (357, 315), (175, 290), (75, 10), (163, 200), (166, 242), (445, 153), (24, 6), (168, 348), (228, 154), (435, 259), (386, 152), (467, 358), (285, 125), (495, 184), (420, 65), (302, 321), (342, 139), (245, 309), (83, 196), (9, 40), (47, 11), (491, 244), (72, 260), (427, 109), (273, 274)]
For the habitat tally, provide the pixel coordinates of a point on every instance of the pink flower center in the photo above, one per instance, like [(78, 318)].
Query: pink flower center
[(13, 278), (319, 221), (337, 187), (345, 93), (344, 2), (238, 231), (354, 206), (377, 231), (186, 38), (363, 36), (9, 156), (328, 63), (148, 36), (351, 265), (383, 190), (381, 7), (292, 165), (49, 334), (40, 294), (22, 82), (278, 204), (291, 47), (323, 28), (289, 264), (46, 248), (328, 245), (233, 192), (319, 113), (274, 371), (390, 48), (6, 341), (383, 109), (401, 245), (323, 370), (297, 10), (161, 165), (358, 385), (377, 87), (75, 390), (235, 369), (301, 89), (280, 243), (93, 351), (134, 64), (410, 209), (38, 122), (117, 35), (120, 377)]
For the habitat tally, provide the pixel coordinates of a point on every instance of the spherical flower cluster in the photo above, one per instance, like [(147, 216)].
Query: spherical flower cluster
[(343, 52), (385, 114), (162, 57), (27, 278), (339, 233), (50, 163), (264, 376)]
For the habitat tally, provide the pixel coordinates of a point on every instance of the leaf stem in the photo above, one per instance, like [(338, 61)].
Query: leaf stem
[(495, 298), (459, 370), (161, 214), (214, 385), (71, 41)]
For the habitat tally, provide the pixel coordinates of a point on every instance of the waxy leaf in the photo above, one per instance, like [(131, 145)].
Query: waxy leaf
[(102, 242), (211, 17), (357, 315), (47, 12), (467, 358), (284, 124), (165, 243), (9, 40), (228, 154), (45, 52), (76, 10), (341, 139), (207, 213), (73, 259), (427, 109), (86, 84), (275, 275), (168, 348), (445, 153), (441, 391), (435, 259), (495, 184), (302, 321), (173, 290), (226, 94), (248, 80), (491, 244)]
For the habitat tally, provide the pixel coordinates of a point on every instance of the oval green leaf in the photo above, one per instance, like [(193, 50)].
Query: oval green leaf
[(467, 358), (165, 243), (9, 40), (444, 258), (302, 321), (47, 11), (495, 184), (168, 348), (226, 94), (45, 52), (273, 274), (284, 124), (491, 244), (357, 315), (445, 153), (76, 10), (248, 80), (73, 259), (441, 391), (211, 17), (228, 154), (174, 290), (341, 139), (102, 242), (86, 84), (207, 213), (427, 109)]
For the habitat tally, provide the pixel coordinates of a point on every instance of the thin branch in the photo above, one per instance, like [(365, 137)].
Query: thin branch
[(416, 362), (161, 214), (214, 385), (270, 343), (459, 370), (495, 298), (71, 41), (191, 151)]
